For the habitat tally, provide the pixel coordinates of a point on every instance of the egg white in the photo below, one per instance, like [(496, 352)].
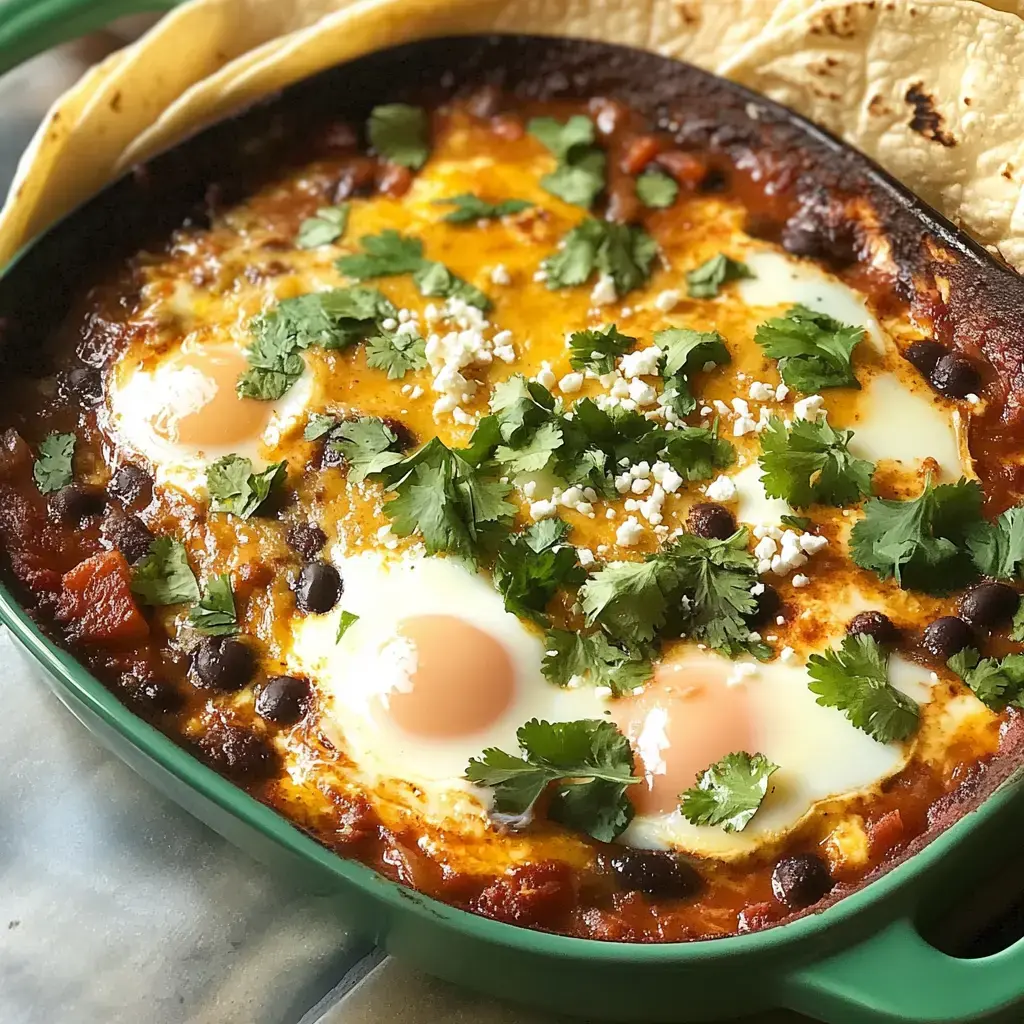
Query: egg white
[(134, 392)]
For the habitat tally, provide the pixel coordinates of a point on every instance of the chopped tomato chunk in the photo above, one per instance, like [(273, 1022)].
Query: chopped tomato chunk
[(886, 832), (687, 169), (640, 152), (97, 602)]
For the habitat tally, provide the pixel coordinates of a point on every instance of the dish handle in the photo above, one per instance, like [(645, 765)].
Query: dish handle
[(895, 977), (28, 27)]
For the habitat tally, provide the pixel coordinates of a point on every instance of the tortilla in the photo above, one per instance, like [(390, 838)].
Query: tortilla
[(951, 127), (73, 154)]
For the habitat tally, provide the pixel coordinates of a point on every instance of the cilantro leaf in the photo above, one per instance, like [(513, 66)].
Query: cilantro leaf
[(52, 469), (1017, 628), (163, 576), (814, 351), (442, 496), (630, 600), (686, 350), (656, 190), (590, 761), (589, 657), (398, 353), (697, 453), (996, 683), (368, 446), (318, 425), (729, 792), (920, 542), (579, 176), (399, 133), (796, 522), (235, 487), (534, 453), (215, 613), (998, 548), (333, 319), (855, 680), (623, 251), (470, 208), (716, 577), (520, 407), (532, 565), (705, 281), (327, 226), (810, 463), (384, 255), (598, 349), (436, 280), (345, 622)]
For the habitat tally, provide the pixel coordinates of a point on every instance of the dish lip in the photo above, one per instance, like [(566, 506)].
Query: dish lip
[(74, 678)]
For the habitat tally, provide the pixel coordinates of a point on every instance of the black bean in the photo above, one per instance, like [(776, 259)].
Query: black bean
[(306, 538), (132, 485), (711, 521), (801, 880), (128, 534), (156, 695), (238, 752), (223, 663), (318, 587), (946, 636), (665, 875), (284, 700), (85, 383), (875, 625), (923, 355), (988, 605), (716, 180), (955, 377), (768, 605), (76, 502)]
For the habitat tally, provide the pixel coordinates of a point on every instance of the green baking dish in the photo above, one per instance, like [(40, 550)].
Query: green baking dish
[(860, 961)]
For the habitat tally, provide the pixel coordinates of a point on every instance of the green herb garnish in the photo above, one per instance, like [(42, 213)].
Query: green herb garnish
[(590, 658), (656, 190), (579, 176), (470, 208), (729, 792), (625, 252), (327, 226), (236, 488), (598, 349), (52, 469), (814, 351), (399, 133), (215, 613), (164, 576), (705, 281)]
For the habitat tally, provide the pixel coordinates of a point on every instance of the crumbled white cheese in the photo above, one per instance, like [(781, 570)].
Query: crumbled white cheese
[(800, 580), (741, 672), (722, 489), (585, 556), (629, 532), (787, 654), (542, 509), (500, 275), (761, 392), (810, 408), (570, 383), (781, 392), (545, 376), (811, 543), (664, 474), (642, 393), (643, 362), (667, 300), (604, 291)]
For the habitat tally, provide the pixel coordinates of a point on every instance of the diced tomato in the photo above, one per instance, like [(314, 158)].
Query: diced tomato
[(530, 895), (640, 152), (508, 127), (97, 602), (885, 833), (686, 168), (394, 180)]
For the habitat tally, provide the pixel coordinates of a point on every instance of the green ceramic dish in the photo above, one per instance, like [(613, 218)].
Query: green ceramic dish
[(862, 961)]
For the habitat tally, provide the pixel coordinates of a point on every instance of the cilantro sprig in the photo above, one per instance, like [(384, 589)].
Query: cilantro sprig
[(810, 463), (579, 176), (998, 548), (399, 133), (470, 208), (588, 764), (686, 352), (625, 252), (327, 226), (855, 680), (333, 319), (52, 468), (598, 348), (163, 576), (345, 622), (996, 682), (923, 542), (215, 614), (391, 253), (705, 281), (572, 657), (814, 350), (729, 792), (367, 444), (235, 487), (397, 352), (531, 567)]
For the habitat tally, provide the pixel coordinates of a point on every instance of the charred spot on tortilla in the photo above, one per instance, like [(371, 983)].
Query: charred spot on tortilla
[(926, 120)]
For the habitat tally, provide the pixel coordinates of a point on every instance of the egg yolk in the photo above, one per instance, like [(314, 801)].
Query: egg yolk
[(686, 719), (462, 682), (200, 407)]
